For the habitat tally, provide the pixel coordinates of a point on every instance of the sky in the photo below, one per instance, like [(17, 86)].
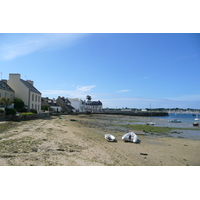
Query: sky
[(133, 70)]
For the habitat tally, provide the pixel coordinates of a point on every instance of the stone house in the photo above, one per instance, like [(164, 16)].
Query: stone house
[(65, 104), (52, 103)]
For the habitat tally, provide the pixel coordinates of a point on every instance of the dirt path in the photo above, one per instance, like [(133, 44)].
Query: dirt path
[(62, 142)]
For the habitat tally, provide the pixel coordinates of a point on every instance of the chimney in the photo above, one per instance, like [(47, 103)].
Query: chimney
[(14, 76)]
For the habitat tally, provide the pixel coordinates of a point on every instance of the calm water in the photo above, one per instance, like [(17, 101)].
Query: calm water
[(187, 122), (185, 118)]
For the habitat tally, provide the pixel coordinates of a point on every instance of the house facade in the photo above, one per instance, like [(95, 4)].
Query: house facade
[(65, 104), (26, 91), (94, 106), (6, 90), (52, 103), (78, 104)]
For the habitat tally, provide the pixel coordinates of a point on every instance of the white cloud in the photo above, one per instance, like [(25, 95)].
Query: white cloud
[(120, 91), (25, 44), (85, 88), (78, 93)]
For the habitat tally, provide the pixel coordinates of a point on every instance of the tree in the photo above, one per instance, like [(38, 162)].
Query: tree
[(19, 104), (5, 102), (88, 97)]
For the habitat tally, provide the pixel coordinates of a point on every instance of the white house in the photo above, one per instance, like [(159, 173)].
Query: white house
[(25, 91), (78, 104), (94, 106)]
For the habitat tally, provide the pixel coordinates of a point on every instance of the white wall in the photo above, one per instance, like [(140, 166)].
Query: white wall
[(77, 104), (5, 93)]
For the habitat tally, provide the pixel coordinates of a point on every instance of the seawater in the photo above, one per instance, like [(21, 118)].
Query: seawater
[(187, 122), (185, 118)]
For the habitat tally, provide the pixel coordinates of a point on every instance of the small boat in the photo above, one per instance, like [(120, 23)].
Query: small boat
[(110, 138), (197, 118), (175, 121), (151, 123), (130, 137), (195, 124)]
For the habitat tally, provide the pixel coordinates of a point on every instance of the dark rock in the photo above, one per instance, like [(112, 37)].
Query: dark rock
[(144, 154), (60, 149)]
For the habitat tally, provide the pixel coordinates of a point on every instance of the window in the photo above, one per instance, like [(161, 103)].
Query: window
[(36, 98), (32, 97)]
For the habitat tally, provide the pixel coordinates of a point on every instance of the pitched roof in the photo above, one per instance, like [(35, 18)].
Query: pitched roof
[(4, 86), (31, 87), (94, 103)]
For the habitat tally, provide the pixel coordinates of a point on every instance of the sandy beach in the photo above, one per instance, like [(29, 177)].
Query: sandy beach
[(61, 141)]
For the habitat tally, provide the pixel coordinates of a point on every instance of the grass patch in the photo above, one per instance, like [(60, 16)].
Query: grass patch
[(155, 129), (7, 126), (28, 113), (22, 145)]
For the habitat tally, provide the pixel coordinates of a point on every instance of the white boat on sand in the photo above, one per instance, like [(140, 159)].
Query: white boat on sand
[(130, 137), (110, 138)]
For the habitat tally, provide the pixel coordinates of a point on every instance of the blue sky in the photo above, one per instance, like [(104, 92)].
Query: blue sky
[(121, 69)]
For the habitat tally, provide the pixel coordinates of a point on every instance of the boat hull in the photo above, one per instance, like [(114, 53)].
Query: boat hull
[(130, 137), (110, 138)]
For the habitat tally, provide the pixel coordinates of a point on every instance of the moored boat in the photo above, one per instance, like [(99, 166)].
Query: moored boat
[(175, 121), (151, 123), (197, 118), (195, 124)]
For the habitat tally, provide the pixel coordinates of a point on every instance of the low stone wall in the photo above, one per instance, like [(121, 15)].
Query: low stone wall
[(26, 117), (2, 116)]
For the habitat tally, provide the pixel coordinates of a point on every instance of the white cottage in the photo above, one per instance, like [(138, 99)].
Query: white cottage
[(78, 104)]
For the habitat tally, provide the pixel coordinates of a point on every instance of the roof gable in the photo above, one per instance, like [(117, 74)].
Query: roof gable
[(30, 87), (4, 86)]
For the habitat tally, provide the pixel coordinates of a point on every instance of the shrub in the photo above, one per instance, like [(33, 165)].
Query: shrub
[(10, 111), (46, 107), (33, 111), (27, 113), (18, 104)]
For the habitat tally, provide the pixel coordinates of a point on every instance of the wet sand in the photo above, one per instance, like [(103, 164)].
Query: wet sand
[(58, 141)]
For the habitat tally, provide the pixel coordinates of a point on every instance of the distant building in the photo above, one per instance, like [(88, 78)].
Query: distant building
[(78, 104), (52, 103), (6, 90), (65, 104), (26, 91), (94, 106)]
